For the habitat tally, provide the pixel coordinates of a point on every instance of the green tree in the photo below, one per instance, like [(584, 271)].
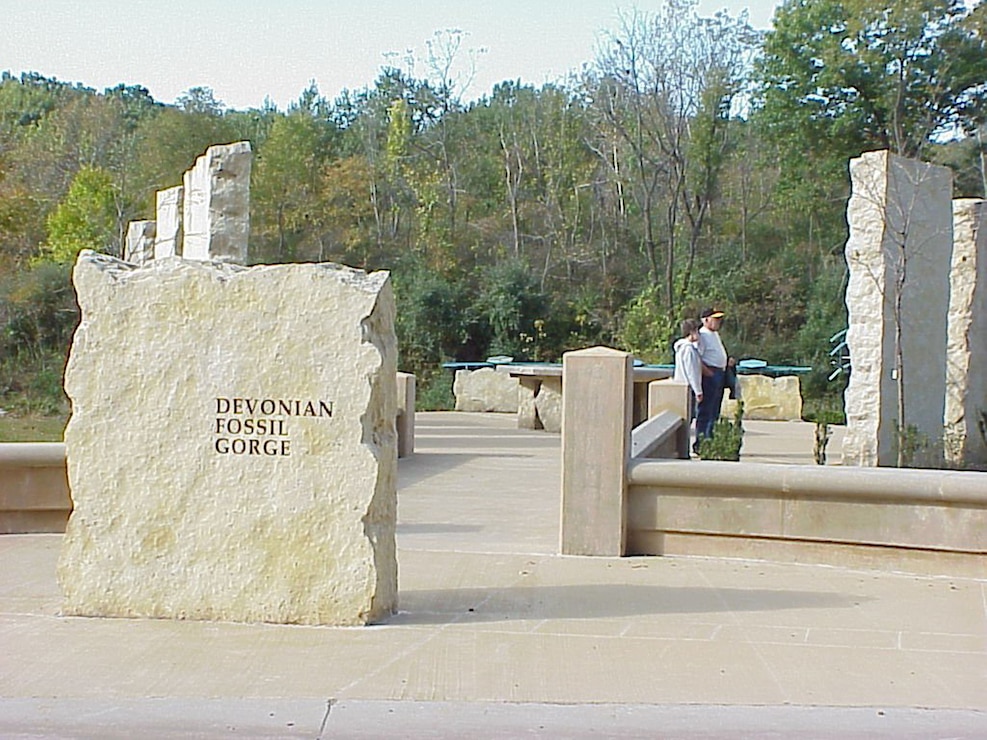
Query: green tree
[(86, 219), (286, 188), (858, 74), (665, 86)]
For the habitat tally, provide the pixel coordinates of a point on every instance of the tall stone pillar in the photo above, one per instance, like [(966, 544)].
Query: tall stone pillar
[(966, 351), (216, 212), (898, 252), (139, 248), (168, 239), (596, 434)]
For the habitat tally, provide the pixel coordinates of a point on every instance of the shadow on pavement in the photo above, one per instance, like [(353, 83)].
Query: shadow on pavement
[(599, 601), (424, 465)]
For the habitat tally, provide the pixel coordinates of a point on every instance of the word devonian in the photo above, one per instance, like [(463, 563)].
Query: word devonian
[(273, 407)]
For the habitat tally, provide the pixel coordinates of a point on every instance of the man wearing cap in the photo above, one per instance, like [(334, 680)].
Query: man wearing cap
[(714, 357)]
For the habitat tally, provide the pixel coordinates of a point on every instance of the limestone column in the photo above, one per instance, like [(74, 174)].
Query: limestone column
[(216, 211), (898, 252), (596, 434), (140, 242), (965, 421), (168, 238)]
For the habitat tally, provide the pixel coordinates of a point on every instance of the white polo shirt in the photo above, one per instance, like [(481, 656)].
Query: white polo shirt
[(711, 349)]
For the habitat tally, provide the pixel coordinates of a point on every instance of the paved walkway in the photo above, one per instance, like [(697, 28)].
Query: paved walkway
[(498, 636)]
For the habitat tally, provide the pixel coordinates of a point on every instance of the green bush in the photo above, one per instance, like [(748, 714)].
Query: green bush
[(433, 392), (726, 440), (645, 329)]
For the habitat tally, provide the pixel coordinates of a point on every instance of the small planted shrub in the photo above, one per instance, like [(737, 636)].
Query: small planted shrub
[(726, 440)]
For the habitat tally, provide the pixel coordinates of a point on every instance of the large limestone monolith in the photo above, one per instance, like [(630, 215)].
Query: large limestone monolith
[(168, 238), (232, 447), (216, 211), (900, 218), (966, 351)]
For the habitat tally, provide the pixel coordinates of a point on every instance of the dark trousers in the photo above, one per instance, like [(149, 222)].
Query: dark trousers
[(709, 407)]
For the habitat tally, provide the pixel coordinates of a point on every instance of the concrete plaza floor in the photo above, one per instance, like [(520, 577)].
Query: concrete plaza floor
[(499, 636)]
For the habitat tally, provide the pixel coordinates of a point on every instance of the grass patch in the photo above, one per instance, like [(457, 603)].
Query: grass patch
[(32, 428)]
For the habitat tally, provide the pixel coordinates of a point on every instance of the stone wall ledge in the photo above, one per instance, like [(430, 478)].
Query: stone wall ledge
[(906, 485), (697, 507), (34, 488), (31, 454)]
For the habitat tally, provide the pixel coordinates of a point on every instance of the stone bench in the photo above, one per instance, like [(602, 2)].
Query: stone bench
[(540, 394)]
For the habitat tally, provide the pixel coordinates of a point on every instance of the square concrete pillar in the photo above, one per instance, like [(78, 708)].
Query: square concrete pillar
[(406, 414), (596, 433), (668, 395)]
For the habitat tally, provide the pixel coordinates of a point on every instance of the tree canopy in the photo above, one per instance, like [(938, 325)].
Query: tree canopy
[(692, 161)]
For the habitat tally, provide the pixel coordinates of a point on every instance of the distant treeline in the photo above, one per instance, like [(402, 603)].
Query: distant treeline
[(694, 161)]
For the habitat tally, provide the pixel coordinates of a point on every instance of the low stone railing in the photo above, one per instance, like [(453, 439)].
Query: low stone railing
[(34, 487), (614, 504)]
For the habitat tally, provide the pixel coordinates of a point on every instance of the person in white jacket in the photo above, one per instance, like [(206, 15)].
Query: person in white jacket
[(688, 364)]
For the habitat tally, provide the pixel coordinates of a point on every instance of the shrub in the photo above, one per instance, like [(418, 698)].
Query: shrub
[(726, 440)]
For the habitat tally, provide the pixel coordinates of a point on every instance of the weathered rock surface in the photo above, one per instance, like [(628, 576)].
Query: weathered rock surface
[(216, 211), (900, 218), (231, 452), (485, 390), (965, 420)]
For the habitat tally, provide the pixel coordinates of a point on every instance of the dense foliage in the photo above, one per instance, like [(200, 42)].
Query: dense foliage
[(693, 161)]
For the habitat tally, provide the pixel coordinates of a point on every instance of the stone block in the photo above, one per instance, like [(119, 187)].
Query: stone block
[(168, 235), (965, 433), (766, 398), (216, 210), (232, 447), (485, 390), (548, 404), (139, 248), (900, 218)]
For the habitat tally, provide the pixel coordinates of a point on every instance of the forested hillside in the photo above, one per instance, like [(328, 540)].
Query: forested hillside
[(693, 161)]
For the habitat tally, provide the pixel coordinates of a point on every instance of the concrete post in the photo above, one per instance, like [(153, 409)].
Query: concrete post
[(667, 395), (406, 414), (596, 433)]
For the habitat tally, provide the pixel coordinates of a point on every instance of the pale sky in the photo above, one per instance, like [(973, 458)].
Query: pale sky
[(249, 50)]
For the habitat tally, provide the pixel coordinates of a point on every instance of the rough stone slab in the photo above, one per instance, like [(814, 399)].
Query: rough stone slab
[(172, 518), (139, 248), (965, 421), (485, 390), (897, 207), (548, 404), (168, 238), (766, 398), (216, 211)]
